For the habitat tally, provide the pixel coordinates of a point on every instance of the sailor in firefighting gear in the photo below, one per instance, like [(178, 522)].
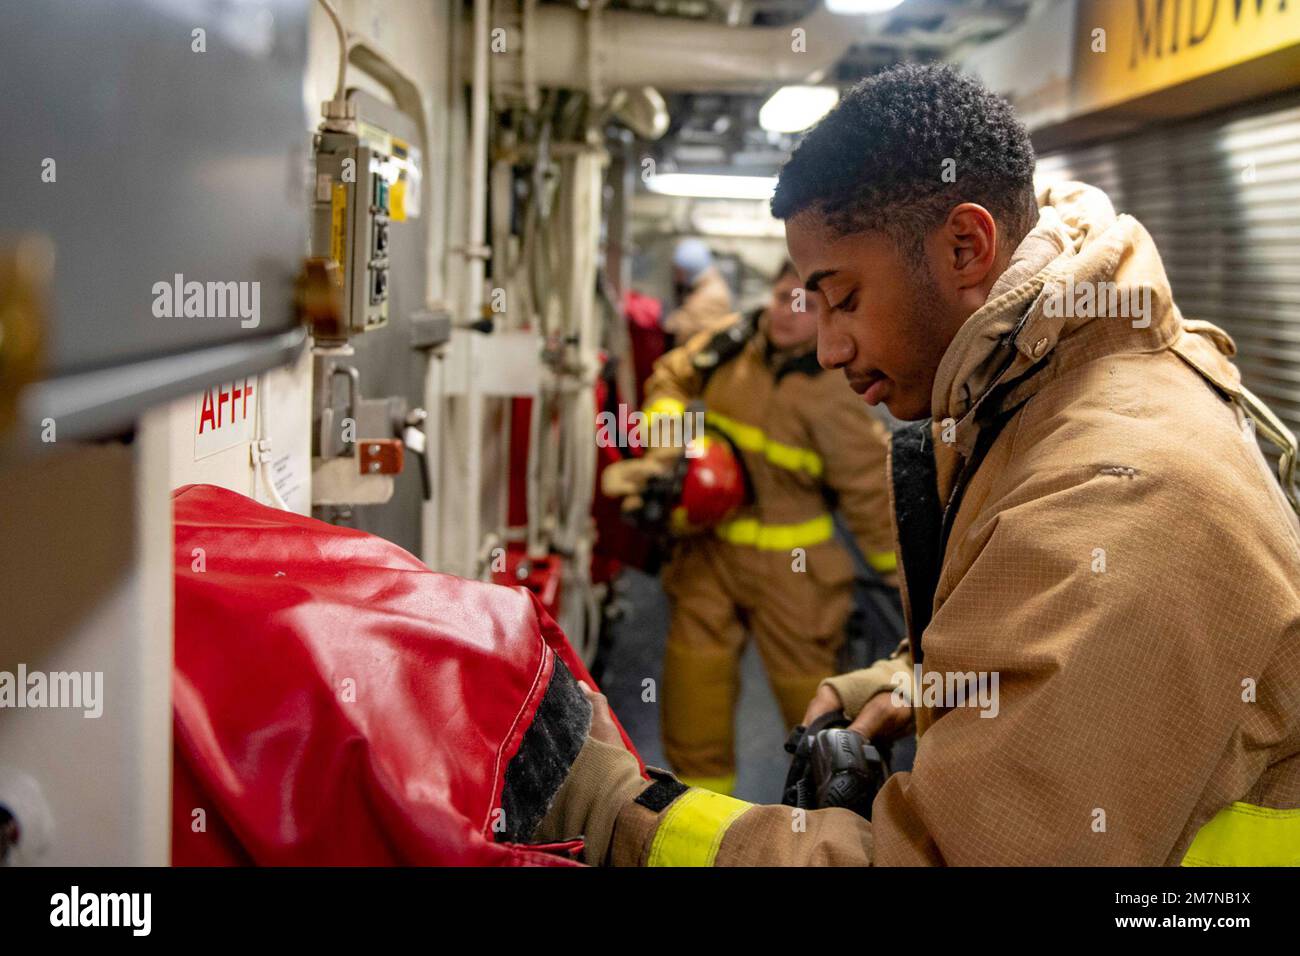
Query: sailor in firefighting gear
[(773, 567), (1087, 517), (703, 294)]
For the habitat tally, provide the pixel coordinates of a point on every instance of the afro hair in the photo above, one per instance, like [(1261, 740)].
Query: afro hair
[(905, 146)]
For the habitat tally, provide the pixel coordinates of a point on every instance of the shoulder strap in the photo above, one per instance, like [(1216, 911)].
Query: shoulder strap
[(724, 346), (924, 523), (1274, 429), (806, 364), (918, 515)]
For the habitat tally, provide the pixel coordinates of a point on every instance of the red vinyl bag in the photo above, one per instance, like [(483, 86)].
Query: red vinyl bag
[(338, 703)]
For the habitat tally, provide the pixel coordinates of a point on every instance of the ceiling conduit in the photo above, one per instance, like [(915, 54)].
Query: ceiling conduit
[(599, 50)]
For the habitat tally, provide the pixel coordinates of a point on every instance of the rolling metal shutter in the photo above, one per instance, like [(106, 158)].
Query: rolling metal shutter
[(1221, 196)]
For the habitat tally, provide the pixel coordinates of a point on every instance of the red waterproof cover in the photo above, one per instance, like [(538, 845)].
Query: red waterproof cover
[(336, 702)]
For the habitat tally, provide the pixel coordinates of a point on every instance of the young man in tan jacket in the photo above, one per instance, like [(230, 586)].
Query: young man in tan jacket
[(774, 568), (1086, 517)]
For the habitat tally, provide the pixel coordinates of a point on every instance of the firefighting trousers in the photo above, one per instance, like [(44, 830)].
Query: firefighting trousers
[(795, 605)]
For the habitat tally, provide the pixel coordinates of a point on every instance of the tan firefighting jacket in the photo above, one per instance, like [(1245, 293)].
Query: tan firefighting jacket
[(1117, 552), (806, 440), (706, 308)]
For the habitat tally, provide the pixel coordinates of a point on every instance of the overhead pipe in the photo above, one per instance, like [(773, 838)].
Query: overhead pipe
[(562, 47)]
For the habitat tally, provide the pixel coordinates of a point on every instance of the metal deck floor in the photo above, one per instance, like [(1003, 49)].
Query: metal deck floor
[(637, 653)]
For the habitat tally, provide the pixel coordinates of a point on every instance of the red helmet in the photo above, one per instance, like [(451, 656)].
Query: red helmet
[(714, 485)]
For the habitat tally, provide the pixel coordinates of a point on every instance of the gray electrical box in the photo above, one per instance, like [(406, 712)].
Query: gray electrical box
[(156, 148), (387, 365), (367, 178), (350, 225)]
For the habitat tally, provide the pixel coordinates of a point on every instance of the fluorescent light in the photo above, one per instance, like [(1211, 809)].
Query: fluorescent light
[(706, 186), (861, 6), (738, 228), (792, 108)]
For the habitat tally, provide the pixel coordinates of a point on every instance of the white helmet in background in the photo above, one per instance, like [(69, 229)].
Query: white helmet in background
[(692, 257)]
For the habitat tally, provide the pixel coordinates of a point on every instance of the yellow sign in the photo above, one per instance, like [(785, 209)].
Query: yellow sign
[(397, 201), (338, 222), (1128, 48)]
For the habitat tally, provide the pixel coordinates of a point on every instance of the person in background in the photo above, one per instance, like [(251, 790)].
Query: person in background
[(702, 293), (774, 568)]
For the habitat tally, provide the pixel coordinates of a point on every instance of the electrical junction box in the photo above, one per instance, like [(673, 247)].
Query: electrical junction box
[(365, 181), (391, 361)]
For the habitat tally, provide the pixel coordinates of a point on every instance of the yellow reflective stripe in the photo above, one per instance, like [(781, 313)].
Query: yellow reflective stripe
[(777, 537), (747, 437), (664, 406), (692, 828), (793, 459), (886, 562), (751, 438), (1246, 835), (723, 785)]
